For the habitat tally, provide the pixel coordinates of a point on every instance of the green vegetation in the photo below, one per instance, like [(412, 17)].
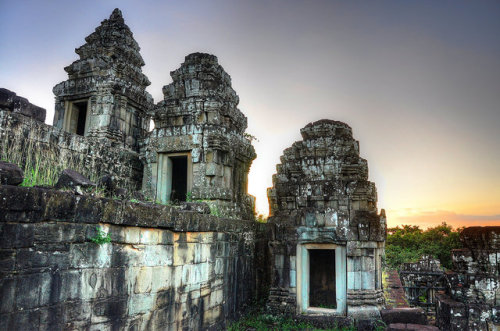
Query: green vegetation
[(189, 197), (259, 321), (250, 137), (41, 166), (38, 169), (42, 163), (214, 210), (408, 243), (159, 202), (101, 237), (33, 176)]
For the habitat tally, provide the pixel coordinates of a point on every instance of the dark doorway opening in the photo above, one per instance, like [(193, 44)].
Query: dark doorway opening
[(322, 278), (179, 178), (82, 117)]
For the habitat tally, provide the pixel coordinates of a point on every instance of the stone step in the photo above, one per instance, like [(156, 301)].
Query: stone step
[(409, 326), (403, 316)]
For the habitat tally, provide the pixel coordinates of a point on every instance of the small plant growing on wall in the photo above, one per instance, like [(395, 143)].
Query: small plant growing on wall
[(101, 237)]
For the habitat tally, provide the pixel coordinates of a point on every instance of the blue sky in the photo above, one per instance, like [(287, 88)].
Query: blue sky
[(418, 81)]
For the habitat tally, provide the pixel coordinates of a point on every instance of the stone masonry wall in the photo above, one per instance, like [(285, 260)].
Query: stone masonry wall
[(472, 300), (422, 280), (36, 146), (163, 270)]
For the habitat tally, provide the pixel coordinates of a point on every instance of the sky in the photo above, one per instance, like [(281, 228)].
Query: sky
[(418, 82)]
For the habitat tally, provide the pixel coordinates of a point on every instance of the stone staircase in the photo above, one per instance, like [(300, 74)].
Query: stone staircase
[(399, 315), (405, 319)]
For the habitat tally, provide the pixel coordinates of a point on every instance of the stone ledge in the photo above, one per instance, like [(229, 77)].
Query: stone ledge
[(408, 326), (31, 204), (11, 102), (403, 315)]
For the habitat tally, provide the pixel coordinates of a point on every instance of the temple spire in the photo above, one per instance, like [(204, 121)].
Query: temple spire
[(116, 15), (105, 95)]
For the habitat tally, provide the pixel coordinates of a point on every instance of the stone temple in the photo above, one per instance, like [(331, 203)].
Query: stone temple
[(105, 94), (198, 146), (329, 237), (185, 251)]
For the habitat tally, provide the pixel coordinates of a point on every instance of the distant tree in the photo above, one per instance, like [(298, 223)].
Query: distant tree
[(408, 243)]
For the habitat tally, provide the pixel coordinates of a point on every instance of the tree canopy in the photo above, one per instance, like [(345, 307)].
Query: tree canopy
[(408, 243)]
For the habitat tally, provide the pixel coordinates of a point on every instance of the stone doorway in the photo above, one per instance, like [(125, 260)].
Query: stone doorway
[(179, 178), (174, 178), (321, 279), (322, 292), (76, 117)]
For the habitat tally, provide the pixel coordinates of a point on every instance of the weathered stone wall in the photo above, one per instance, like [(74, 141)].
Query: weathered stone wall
[(422, 280), (163, 270), (472, 300), (36, 146)]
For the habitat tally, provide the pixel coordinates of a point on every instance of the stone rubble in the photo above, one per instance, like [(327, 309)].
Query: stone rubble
[(9, 101), (10, 174), (472, 298)]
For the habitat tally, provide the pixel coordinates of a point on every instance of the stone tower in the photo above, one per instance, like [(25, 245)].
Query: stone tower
[(329, 237), (198, 147), (105, 94)]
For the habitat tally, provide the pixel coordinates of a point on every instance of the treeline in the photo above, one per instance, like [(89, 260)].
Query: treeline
[(408, 243)]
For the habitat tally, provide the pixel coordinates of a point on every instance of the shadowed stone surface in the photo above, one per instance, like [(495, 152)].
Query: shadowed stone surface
[(403, 315), (107, 184), (72, 179), (11, 102), (10, 174), (199, 207), (422, 279)]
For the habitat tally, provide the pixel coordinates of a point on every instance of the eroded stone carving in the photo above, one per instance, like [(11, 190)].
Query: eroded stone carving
[(472, 297), (105, 94), (199, 120)]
